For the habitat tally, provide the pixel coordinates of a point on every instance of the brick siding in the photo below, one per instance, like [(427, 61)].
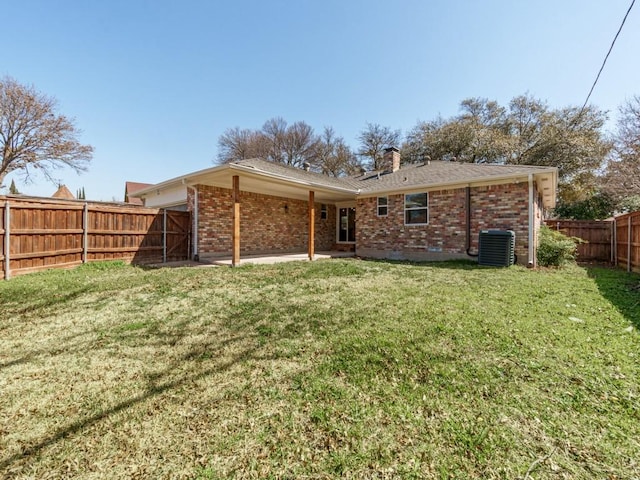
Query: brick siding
[(268, 224), (503, 207)]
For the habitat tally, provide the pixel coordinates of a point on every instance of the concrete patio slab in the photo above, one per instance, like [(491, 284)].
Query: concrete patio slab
[(255, 259), (276, 258)]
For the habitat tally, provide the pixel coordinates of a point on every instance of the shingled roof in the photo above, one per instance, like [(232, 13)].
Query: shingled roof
[(436, 173), (63, 192), (430, 174), (272, 178), (294, 173)]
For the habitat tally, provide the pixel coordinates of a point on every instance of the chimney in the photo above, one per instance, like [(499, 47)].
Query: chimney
[(392, 157), (306, 166)]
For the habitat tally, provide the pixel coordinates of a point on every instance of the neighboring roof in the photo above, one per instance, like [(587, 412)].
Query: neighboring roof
[(132, 187), (431, 175), (63, 192)]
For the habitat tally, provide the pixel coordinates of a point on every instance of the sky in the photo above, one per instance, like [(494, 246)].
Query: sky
[(152, 84)]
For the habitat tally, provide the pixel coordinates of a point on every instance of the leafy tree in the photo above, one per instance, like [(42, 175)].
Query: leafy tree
[(373, 141), (528, 132), (596, 207), (622, 176), (33, 136), (80, 195)]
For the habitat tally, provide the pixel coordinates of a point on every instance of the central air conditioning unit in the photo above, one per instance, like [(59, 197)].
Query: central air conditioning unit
[(496, 248)]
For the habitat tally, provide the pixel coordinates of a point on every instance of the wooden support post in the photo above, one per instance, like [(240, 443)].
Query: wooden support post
[(235, 253), (7, 239), (164, 235), (312, 224), (85, 233)]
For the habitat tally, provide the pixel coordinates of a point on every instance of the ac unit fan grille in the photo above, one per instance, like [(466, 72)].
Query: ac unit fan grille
[(496, 248)]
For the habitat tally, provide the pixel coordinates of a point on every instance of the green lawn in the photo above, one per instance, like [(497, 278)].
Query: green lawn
[(338, 368)]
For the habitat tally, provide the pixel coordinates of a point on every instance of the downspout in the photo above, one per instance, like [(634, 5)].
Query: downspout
[(467, 192), (531, 261), (196, 255)]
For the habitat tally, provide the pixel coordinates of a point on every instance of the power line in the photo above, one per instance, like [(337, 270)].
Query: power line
[(606, 57)]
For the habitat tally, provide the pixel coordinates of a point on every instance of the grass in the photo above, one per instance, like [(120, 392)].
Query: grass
[(339, 368)]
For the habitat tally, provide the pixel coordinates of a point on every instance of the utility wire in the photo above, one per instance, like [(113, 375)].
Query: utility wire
[(605, 59)]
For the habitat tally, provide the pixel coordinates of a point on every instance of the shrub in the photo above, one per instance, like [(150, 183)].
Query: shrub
[(556, 249)]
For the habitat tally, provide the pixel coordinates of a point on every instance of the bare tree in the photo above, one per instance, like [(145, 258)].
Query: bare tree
[(373, 140), (274, 132), (333, 155), (240, 144), (299, 145), (276, 142), (33, 136)]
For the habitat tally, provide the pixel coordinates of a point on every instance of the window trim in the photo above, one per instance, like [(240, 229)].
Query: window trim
[(415, 209), (385, 206)]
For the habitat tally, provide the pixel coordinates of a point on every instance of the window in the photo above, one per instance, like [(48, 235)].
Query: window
[(416, 209), (383, 206), (323, 211)]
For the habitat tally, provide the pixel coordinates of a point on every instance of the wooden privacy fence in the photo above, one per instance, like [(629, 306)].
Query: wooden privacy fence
[(616, 241), (627, 240), (41, 234), (598, 235)]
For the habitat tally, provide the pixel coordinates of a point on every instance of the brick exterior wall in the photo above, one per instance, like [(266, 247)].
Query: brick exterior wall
[(503, 207), (268, 224)]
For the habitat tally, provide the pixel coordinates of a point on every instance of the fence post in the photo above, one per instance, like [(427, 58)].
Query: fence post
[(85, 233), (629, 242), (614, 242), (7, 239), (164, 236)]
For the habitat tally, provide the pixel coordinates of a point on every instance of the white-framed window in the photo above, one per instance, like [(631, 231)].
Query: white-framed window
[(383, 206), (416, 208), (323, 211)]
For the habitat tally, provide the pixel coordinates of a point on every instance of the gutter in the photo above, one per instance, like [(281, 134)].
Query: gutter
[(531, 262)]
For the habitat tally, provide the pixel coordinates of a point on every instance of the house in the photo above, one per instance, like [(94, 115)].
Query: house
[(132, 187), (427, 211)]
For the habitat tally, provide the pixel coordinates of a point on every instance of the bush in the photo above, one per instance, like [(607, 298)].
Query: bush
[(555, 249)]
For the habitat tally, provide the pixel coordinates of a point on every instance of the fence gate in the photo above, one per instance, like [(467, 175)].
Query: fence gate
[(178, 236)]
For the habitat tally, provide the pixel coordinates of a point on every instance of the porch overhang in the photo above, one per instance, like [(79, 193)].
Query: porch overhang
[(256, 181)]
